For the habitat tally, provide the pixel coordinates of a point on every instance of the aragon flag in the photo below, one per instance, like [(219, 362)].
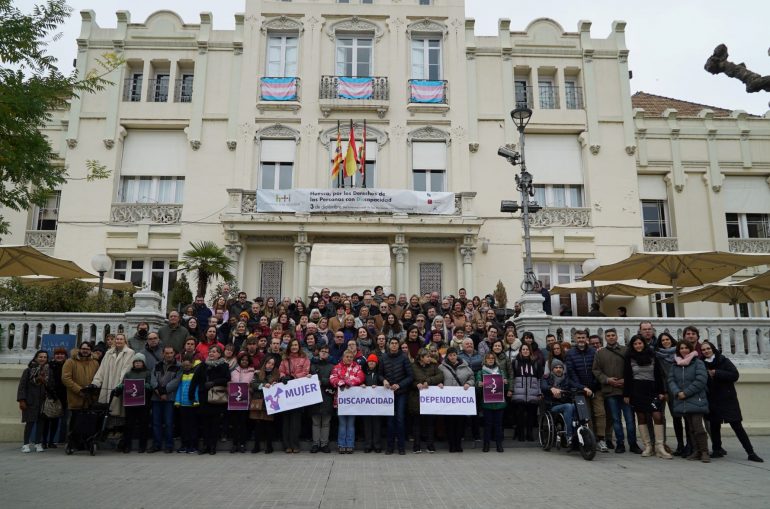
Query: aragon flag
[(351, 156)]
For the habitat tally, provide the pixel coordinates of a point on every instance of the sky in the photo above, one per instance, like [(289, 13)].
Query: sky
[(669, 40)]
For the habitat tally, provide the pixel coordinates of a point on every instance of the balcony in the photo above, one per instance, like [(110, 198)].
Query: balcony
[(278, 93), (558, 216), (40, 239), (660, 244), (152, 213), (428, 96), (749, 245), (342, 93)]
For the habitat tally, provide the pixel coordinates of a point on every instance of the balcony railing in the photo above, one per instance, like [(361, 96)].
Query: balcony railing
[(549, 97), (574, 97), (41, 239), (661, 244), (749, 245), (278, 89), (132, 90), (183, 89), (428, 91), (156, 213), (373, 88), (558, 216), (157, 90)]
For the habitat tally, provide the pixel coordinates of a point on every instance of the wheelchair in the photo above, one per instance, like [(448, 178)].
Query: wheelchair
[(552, 428)]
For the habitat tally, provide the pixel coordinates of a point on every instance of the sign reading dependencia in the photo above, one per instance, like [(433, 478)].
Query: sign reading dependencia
[(387, 201)]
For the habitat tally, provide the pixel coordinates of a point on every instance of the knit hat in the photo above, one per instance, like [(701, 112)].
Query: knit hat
[(139, 357), (373, 358), (556, 363)]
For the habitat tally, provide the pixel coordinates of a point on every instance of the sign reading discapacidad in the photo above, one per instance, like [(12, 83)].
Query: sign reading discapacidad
[(297, 393), (365, 401), (448, 401), (388, 201)]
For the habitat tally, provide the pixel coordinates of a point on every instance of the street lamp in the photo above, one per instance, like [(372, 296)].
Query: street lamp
[(521, 117), (101, 264)]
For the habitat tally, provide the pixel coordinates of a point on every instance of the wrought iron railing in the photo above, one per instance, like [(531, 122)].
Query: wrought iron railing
[(274, 88), (334, 87)]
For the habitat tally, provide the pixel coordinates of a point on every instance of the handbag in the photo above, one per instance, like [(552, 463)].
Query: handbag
[(217, 396), (52, 408), (256, 404)]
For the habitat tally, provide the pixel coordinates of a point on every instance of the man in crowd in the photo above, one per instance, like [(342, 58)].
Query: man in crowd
[(240, 305), (78, 371), (396, 374), (200, 310), (152, 351), (579, 363), (138, 340), (647, 331), (173, 333), (691, 336), (486, 345), (165, 378)]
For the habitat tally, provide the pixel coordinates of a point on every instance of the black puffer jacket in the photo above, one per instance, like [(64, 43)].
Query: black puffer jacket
[(207, 375), (396, 369), (722, 396)]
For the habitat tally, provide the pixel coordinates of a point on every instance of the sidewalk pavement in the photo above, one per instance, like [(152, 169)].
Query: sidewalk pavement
[(523, 476)]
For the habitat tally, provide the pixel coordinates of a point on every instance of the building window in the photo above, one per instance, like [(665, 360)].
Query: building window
[(282, 56), (371, 161), (271, 275), (184, 90), (358, 178), (146, 189), (655, 218), (425, 2), (354, 57), (277, 164), (664, 309), (367, 1), (132, 91), (276, 176), (549, 95), (523, 94), (47, 217), (747, 226), (159, 88), (157, 274), (559, 195), (426, 59), (573, 95), (430, 278), (429, 164), (556, 273)]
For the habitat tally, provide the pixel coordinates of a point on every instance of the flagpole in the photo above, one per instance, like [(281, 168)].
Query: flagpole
[(363, 157), (353, 137), (340, 181)]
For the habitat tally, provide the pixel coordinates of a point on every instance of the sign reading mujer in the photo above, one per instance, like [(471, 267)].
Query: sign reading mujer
[(365, 401), (294, 394), (448, 401)]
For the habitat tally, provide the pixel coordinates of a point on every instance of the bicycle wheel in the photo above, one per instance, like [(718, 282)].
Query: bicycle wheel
[(587, 443), (546, 431)]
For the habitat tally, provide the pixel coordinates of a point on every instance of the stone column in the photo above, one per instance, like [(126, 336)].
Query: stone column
[(401, 252), (302, 251), (467, 252)]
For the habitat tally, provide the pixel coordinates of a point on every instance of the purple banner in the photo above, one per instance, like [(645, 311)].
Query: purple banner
[(133, 393), (237, 396), (494, 390)]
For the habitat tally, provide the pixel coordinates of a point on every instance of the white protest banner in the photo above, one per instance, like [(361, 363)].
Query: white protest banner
[(294, 394), (365, 401), (387, 201), (448, 401)]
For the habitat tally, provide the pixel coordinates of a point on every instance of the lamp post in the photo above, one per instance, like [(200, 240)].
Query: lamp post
[(101, 264)]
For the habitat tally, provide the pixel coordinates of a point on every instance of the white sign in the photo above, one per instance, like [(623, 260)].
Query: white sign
[(355, 200), (365, 401), (448, 401), (294, 394)]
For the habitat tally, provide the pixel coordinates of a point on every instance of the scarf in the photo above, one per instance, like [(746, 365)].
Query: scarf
[(557, 380), (643, 358), (216, 362), (686, 360), (490, 370), (666, 354)]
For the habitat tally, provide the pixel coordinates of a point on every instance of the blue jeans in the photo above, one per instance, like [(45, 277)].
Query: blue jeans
[(567, 410), (616, 406), (346, 433), (396, 422), (163, 415)]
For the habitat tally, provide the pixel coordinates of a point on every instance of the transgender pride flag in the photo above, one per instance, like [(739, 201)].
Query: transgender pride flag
[(424, 91), (355, 88), (279, 89)]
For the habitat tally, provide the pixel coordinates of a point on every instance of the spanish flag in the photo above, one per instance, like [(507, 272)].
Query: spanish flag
[(337, 161), (351, 156)]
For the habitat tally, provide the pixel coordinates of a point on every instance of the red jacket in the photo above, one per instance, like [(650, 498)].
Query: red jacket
[(344, 376), (295, 366)]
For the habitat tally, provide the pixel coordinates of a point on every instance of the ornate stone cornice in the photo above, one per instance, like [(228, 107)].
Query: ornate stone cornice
[(282, 24), (428, 133), (277, 131), (354, 24), (327, 136), (426, 26), (555, 216)]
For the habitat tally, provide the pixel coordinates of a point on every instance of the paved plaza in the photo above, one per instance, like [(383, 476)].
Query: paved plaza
[(523, 476)]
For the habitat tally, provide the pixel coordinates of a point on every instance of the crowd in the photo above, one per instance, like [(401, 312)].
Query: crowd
[(402, 344)]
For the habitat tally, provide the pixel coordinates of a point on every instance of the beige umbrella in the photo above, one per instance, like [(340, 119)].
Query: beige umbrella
[(109, 283), (28, 261), (678, 268), (761, 281), (625, 288), (726, 293)]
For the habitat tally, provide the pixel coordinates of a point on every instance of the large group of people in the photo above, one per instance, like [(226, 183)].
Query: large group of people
[(402, 344)]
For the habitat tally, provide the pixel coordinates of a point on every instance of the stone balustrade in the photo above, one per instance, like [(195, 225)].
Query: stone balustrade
[(749, 245), (660, 244), (156, 213), (40, 239), (746, 341), (558, 216)]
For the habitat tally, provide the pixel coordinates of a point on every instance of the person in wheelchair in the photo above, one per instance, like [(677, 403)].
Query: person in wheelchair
[(556, 388)]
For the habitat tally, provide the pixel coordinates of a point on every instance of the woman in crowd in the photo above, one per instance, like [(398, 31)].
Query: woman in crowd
[(202, 348), (229, 356), (413, 341), (210, 383), (137, 417), (511, 344), (526, 375), (380, 345), (664, 352), (556, 352), (493, 412), (405, 350), (458, 315), (239, 336), (188, 421), (372, 423), (644, 389), (239, 419), (267, 375), (344, 375), (501, 358), (270, 310), (439, 324), (438, 341), (529, 339), (220, 304), (414, 306), (193, 328), (321, 414), (456, 373), (426, 373), (31, 395), (188, 348), (295, 364), (113, 366), (392, 328), (58, 392), (407, 319), (349, 329), (325, 336), (723, 401), (364, 340), (687, 383)]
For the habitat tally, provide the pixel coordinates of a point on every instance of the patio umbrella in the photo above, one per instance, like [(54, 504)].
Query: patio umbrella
[(625, 288), (678, 268), (28, 261), (761, 281), (726, 293), (109, 283)]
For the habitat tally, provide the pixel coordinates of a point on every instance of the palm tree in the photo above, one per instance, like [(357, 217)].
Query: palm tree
[(207, 261)]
